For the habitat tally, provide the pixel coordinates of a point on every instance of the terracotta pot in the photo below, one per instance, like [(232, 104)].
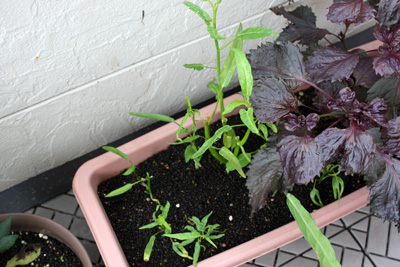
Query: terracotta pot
[(95, 171), (38, 224)]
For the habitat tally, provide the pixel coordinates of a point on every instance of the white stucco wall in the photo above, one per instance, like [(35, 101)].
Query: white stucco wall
[(71, 71)]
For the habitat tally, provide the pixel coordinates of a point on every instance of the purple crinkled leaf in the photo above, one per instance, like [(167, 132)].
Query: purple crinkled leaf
[(272, 99), (385, 193), (331, 64), (357, 148), (388, 12), (277, 60), (265, 175), (376, 110), (330, 144), (302, 26), (358, 151), (391, 138), (293, 122), (350, 11), (387, 65), (299, 158), (364, 74)]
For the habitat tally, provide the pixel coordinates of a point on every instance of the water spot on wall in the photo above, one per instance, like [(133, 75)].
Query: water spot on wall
[(114, 63)]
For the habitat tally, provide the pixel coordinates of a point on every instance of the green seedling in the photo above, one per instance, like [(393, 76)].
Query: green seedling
[(198, 234), (161, 223), (123, 189), (7, 240), (232, 153), (337, 184)]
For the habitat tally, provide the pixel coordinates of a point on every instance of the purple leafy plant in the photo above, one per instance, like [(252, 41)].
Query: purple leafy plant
[(362, 135)]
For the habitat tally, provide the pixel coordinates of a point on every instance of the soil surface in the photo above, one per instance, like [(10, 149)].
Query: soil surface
[(194, 192), (53, 252)]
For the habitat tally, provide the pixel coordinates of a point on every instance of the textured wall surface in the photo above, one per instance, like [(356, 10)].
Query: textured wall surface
[(71, 71)]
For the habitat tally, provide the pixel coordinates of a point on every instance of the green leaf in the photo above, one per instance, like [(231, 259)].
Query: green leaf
[(153, 116), (230, 157), (247, 118), (204, 221), (120, 190), (243, 160), (188, 139), (244, 73), (255, 33), (165, 210), (316, 198), (130, 170), (338, 187), (189, 152), (314, 236), (180, 128), (180, 250), (7, 242), (116, 151), (29, 257), (5, 227), (213, 87), (150, 225), (214, 33), (195, 66), (184, 236), (264, 130), (149, 248), (272, 127), (199, 11), (196, 253), (207, 144), (161, 220), (232, 105), (229, 66)]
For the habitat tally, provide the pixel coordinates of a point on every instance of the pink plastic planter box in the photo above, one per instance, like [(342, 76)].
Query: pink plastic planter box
[(103, 167)]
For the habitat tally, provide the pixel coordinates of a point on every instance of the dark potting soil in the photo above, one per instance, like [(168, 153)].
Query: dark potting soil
[(194, 192), (53, 252)]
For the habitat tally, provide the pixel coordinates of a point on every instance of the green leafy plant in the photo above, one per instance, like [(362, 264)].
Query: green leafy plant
[(337, 184), (160, 221), (132, 169), (203, 231), (313, 235), (27, 254), (232, 153), (7, 240)]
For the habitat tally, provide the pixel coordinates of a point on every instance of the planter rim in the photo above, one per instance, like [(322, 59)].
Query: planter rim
[(39, 224), (107, 165)]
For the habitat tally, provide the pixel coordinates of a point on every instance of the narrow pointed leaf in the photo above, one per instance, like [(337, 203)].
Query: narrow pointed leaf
[(153, 116), (232, 105), (313, 235), (120, 190), (244, 72), (207, 144), (149, 248), (255, 33), (195, 66), (229, 67), (230, 157), (7, 242), (214, 33), (199, 11), (116, 151), (5, 227), (247, 118)]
